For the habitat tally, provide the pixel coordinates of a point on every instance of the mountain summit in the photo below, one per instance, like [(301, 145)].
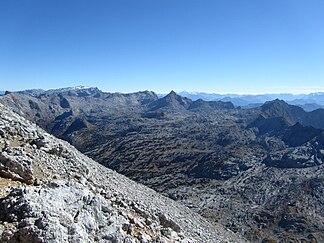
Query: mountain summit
[(171, 102)]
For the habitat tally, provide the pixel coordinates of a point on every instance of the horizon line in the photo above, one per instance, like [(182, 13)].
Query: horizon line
[(306, 92)]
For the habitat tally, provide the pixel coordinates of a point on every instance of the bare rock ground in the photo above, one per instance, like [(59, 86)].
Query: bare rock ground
[(50, 192)]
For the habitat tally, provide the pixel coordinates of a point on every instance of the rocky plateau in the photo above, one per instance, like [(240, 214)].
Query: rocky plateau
[(256, 171), (50, 192)]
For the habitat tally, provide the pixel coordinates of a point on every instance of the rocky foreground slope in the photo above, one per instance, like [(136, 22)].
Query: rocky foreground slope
[(258, 171), (50, 192)]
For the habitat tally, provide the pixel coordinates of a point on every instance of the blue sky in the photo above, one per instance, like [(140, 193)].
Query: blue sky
[(230, 46)]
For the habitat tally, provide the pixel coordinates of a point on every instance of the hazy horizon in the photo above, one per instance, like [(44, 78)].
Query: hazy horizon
[(168, 91)]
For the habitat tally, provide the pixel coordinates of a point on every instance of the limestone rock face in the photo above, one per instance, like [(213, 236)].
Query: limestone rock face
[(63, 196)]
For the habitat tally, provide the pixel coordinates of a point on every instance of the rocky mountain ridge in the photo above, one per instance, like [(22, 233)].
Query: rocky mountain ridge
[(258, 171), (63, 195)]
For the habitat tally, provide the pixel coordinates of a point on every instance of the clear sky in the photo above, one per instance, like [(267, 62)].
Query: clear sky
[(236, 46)]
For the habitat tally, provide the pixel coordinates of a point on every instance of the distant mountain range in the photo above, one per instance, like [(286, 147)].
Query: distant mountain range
[(308, 102)]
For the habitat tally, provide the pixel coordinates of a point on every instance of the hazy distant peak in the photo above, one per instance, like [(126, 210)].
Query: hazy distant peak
[(82, 87), (72, 90), (76, 88), (248, 100)]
